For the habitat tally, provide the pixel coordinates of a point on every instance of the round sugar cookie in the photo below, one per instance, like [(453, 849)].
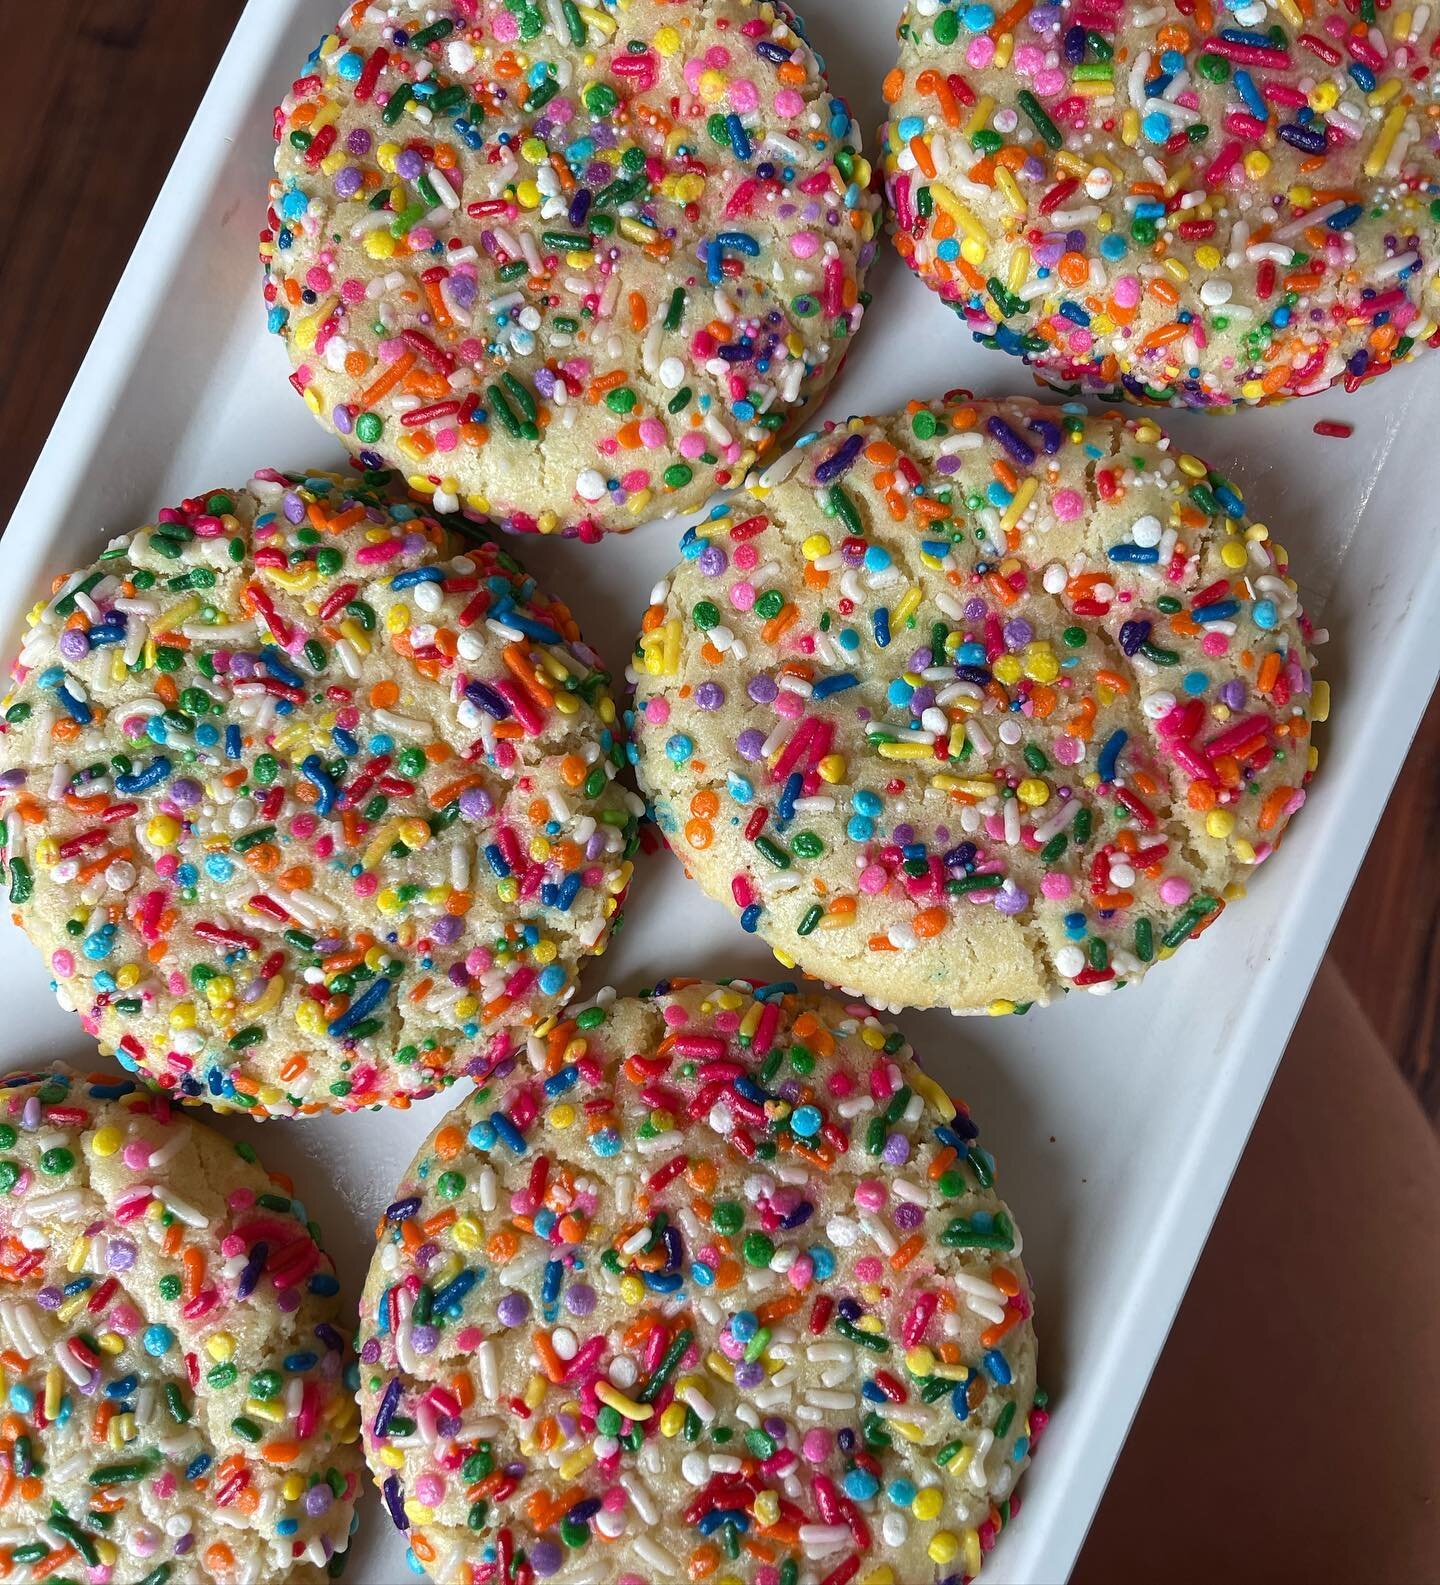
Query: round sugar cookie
[(1175, 203), (976, 703), (572, 267), (177, 1366), (716, 1279), (306, 806)]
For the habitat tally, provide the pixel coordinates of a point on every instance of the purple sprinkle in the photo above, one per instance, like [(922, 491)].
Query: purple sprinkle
[(839, 461), (762, 689), (1012, 901), (185, 792), (749, 743), (347, 182), (513, 1309), (424, 1339), (545, 1557), (358, 141), (580, 1298), (408, 164), (318, 1499), (1018, 633), (446, 929), (908, 1216), (50, 1297), (897, 1150), (1233, 693), (713, 561), (1010, 442), (709, 696), (395, 1502), (476, 803), (370, 1353), (74, 645), (389, 1403), (293, 507)]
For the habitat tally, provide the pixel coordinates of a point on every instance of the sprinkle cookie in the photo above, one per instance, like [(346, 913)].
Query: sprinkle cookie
[(304, 811), (1177, 203), (570, 266), (976, 703), (178, 1390), (716, 1285)]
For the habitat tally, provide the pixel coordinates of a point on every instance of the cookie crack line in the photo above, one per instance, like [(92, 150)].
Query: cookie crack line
[(1024, 677), (765, 1308), (632, 247)]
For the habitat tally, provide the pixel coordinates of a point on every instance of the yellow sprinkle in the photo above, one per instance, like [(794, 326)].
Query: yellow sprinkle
[(908, 604), (931, 1091), (1010, 189), (578, 1462), (929, 1503), (944, 1546), (971, 786), (979, 119), (958, 212), (380, 844), (182, 611), (1023, 497), (1320, 702), (106, 1141), (620, 1403), (54, 1389), (905, 751), (1384, 93)]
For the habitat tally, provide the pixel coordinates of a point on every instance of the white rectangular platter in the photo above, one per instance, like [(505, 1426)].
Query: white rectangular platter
[(1117, 1121)]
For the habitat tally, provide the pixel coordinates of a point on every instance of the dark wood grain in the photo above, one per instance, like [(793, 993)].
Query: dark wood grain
[(94, 108), (88, 142), (1387, 944)]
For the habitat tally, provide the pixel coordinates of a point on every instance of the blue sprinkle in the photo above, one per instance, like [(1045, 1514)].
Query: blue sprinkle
[(361, 1008), (142, 781), (837, 682), (998, 1367), (1110, 753), (508, 1134), (274, 661), (312, 768)]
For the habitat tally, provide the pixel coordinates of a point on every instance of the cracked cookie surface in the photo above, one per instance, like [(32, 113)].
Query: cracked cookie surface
[(309, 803), (1178, 203), (718, 1279), (177, 1361), (976, 703), (572, 267)]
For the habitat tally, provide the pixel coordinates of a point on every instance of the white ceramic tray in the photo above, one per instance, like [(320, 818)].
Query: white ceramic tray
[(1117, 1121)]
